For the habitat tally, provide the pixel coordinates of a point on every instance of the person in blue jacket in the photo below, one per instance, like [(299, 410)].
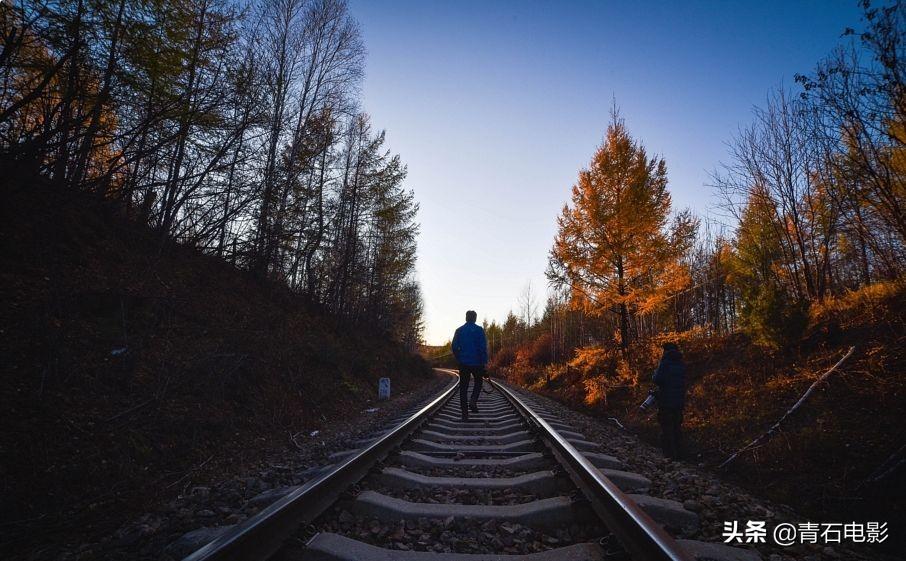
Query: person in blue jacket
[(470, 347), (670, 378)]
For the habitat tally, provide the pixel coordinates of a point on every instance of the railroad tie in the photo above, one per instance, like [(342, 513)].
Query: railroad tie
[(515, 482)]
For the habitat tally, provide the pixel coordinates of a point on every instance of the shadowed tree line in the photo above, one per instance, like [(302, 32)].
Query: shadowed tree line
[(815, 188), (233, 127)]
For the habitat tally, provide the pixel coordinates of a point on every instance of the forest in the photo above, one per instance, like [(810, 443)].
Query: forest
[(813, 193), (802, 259), (208, 253), (233, 129)]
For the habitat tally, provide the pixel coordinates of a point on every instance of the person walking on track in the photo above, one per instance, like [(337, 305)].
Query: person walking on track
[(470, 347)]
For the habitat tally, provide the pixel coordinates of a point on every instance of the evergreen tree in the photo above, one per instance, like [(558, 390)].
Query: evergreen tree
[(613, 248), (768, 311)]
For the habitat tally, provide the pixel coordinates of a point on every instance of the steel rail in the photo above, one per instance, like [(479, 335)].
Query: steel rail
[(641, 536), (262, 535)]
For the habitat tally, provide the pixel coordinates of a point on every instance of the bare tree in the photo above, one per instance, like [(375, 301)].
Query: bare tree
[(235, 130), (777, 158), (528, 305)]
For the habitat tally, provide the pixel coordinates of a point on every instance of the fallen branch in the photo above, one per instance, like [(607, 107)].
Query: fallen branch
[(895, 462), (293, 436), (761, 440), (190, 472), (130, 410)]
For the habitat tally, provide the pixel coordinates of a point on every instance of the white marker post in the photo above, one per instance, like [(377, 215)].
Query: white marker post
[(384, 388)]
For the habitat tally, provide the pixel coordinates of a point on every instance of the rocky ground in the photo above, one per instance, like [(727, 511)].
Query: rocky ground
[(461, 496), (703, 492), (199, 509), (486, 471), (458, 536)]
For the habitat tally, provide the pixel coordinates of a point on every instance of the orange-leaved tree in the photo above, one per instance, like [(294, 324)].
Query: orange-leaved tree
[(616, 250)]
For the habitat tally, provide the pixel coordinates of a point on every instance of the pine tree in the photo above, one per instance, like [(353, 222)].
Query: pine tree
[(768, 310), (613, 249)]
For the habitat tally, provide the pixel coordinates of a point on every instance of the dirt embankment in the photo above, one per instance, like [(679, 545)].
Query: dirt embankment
[(130, 364), (825, 459)]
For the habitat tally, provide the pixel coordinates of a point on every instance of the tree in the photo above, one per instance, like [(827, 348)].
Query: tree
[(777, 158), (312, 62), (858, 98), (234, 128), (768, 311), (613, 249), (528, 307)]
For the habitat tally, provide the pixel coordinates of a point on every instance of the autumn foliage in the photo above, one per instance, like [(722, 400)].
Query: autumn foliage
[(815, 188), (234, 128), (811, 264), (615, 252)]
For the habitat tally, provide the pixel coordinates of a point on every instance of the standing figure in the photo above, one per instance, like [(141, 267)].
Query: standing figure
[(670, 378), (470, 347)]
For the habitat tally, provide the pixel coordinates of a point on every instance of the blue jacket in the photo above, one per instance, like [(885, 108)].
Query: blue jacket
[(670, 378), (470, 347)]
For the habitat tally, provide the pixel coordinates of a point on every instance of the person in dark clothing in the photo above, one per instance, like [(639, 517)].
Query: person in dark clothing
[(670, 378), (470, 347)]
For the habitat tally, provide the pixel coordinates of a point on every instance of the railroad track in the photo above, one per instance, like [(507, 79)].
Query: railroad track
[(512, 483)]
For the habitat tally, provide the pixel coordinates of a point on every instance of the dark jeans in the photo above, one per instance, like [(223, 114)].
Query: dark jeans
[(671, 419), (465, 371)]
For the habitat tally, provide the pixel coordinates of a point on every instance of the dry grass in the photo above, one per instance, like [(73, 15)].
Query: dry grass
[(869, 304), (826, 451), (126, 363)]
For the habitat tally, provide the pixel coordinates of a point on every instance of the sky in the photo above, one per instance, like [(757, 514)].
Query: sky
[(495, 107)]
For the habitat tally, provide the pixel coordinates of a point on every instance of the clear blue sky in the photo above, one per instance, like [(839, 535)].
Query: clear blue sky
[(496, 106)]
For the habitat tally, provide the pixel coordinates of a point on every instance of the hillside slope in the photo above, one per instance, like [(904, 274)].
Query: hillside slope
[(828, 460), (127, 363)]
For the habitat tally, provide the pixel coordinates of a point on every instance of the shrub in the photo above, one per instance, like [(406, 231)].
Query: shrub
[(502, 359), (867, 304), (772, 318), (591, 361), (525, 377), (603, 371), (539, 350)]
